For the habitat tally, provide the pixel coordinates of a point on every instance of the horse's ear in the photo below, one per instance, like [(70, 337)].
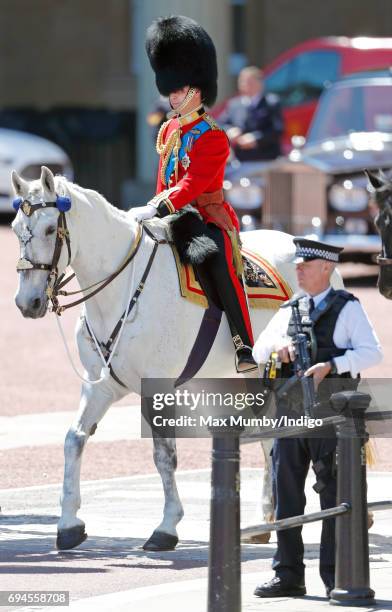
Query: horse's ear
[(21, 187), (47, 180), (376, 180)]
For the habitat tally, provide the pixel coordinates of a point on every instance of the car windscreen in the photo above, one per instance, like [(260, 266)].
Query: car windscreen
[(354, 108)]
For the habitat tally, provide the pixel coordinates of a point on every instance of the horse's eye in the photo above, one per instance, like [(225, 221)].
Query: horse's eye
[(50, 230)]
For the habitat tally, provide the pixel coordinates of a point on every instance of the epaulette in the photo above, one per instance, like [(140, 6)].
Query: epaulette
[(346, 295), (211, 122)]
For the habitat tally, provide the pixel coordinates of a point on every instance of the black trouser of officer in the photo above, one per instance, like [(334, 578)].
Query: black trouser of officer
[(290, 464)]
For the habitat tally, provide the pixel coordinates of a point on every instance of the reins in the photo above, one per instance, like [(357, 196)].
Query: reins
[(57, 289), (107, 349)]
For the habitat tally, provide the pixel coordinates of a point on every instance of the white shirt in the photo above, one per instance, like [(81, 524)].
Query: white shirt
[(353, 331)]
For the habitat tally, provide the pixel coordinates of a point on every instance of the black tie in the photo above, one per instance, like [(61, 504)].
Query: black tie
[(311, 306)]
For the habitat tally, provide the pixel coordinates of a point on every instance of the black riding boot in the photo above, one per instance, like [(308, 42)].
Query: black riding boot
[(215, 279)]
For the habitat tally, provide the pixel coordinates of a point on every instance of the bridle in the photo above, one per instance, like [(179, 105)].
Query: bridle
[(62, 235), (382, 259), (56, 282)]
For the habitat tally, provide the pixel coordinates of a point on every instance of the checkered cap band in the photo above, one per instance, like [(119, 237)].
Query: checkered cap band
[(316, 253)]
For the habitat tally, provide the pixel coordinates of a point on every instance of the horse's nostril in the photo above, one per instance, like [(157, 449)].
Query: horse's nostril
[(36, 303)]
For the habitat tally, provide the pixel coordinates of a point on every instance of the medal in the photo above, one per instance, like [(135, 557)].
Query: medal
[(186, 161)]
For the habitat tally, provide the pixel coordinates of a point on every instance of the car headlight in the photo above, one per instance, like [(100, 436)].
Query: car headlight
[(348, 198), (248, 222), (246, 197)]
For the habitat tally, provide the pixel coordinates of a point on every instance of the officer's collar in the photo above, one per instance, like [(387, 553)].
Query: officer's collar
[(320, 296), (191, 116)]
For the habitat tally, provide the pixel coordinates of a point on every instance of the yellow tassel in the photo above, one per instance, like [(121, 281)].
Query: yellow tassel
[(176, 149), (237, 256), (370, 453)]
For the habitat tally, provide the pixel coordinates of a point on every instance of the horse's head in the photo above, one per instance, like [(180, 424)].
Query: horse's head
[(382, 185), (40, 226)]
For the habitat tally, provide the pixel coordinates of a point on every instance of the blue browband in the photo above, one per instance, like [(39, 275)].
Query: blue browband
[(62, 203)]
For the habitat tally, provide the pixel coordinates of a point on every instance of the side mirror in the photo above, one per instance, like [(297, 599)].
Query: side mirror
[(298, 141)]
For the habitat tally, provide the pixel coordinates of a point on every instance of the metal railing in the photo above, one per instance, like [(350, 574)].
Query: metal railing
[(352, 582)]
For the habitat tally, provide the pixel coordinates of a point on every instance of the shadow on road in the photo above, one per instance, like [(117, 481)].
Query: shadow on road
[(29, 519), (27, 552)]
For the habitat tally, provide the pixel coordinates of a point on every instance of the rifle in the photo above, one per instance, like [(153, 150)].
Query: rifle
[(302, 361)]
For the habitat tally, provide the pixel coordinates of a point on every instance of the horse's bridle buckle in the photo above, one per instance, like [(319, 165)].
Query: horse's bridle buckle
[(62, 233), (26, 208)]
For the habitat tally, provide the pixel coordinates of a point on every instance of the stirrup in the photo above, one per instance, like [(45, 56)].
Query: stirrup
[(247, 363)]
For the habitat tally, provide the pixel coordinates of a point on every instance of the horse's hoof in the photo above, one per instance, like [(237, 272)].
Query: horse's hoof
[(261, 538), (69, 538), (161, 541)]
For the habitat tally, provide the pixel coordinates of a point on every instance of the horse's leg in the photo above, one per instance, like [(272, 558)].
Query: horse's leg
[(93, 404), (165, 536)]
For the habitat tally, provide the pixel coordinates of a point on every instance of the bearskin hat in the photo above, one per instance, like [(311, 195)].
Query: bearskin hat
[(182, 53)]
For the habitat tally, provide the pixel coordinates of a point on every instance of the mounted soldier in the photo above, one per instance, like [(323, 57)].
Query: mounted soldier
[(193, 152)]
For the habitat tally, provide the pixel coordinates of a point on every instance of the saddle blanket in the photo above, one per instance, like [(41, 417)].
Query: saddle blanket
[(265, 287)]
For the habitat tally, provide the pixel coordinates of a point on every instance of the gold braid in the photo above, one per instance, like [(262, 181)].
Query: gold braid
[(173, 143), (165, 149)]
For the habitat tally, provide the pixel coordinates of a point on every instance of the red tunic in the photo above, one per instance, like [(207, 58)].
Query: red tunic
[(205, 172)]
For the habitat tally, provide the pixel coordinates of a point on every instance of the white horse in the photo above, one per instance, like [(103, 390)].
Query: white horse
[(154, 344)]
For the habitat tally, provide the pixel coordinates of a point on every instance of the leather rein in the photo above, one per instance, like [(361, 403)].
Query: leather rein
[(384, 261)]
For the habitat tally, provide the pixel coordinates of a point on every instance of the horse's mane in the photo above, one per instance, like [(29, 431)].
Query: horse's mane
[(67, 187), (94, 198)]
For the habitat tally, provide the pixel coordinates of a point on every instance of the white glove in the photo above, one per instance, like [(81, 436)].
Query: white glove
[(142, 213)]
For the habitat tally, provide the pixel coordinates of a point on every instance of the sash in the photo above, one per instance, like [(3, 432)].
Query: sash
[(187, 142)]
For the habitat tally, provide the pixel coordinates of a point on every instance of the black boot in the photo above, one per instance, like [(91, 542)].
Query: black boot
[(279, 587)]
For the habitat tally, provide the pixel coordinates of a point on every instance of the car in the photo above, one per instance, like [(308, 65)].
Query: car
[(244, 187), (300, 74), (26, 153), (351, 130)]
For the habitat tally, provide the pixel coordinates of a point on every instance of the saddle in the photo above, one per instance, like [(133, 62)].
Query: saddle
[(265, 287)]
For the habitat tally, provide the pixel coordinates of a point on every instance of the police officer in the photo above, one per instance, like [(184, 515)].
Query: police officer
[(253, 119), (193, 151), (346, 344)]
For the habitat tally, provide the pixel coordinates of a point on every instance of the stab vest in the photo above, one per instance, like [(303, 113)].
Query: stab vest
[(320, 327), (321, 324)]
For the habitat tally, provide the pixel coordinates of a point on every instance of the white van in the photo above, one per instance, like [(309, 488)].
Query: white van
[(26, 153)]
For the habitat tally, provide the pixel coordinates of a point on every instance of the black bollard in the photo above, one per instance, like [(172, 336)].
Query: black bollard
[(352, 541), (224, 564)]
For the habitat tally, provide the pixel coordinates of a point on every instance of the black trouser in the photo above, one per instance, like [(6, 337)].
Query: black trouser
[(219, 281), (290, 463)]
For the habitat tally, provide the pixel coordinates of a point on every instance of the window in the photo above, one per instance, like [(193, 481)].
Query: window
[(238, 58), (303, 78), (279, 80)]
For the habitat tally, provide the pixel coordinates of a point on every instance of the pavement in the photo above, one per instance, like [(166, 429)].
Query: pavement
[(120, 514), (32, 429)]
